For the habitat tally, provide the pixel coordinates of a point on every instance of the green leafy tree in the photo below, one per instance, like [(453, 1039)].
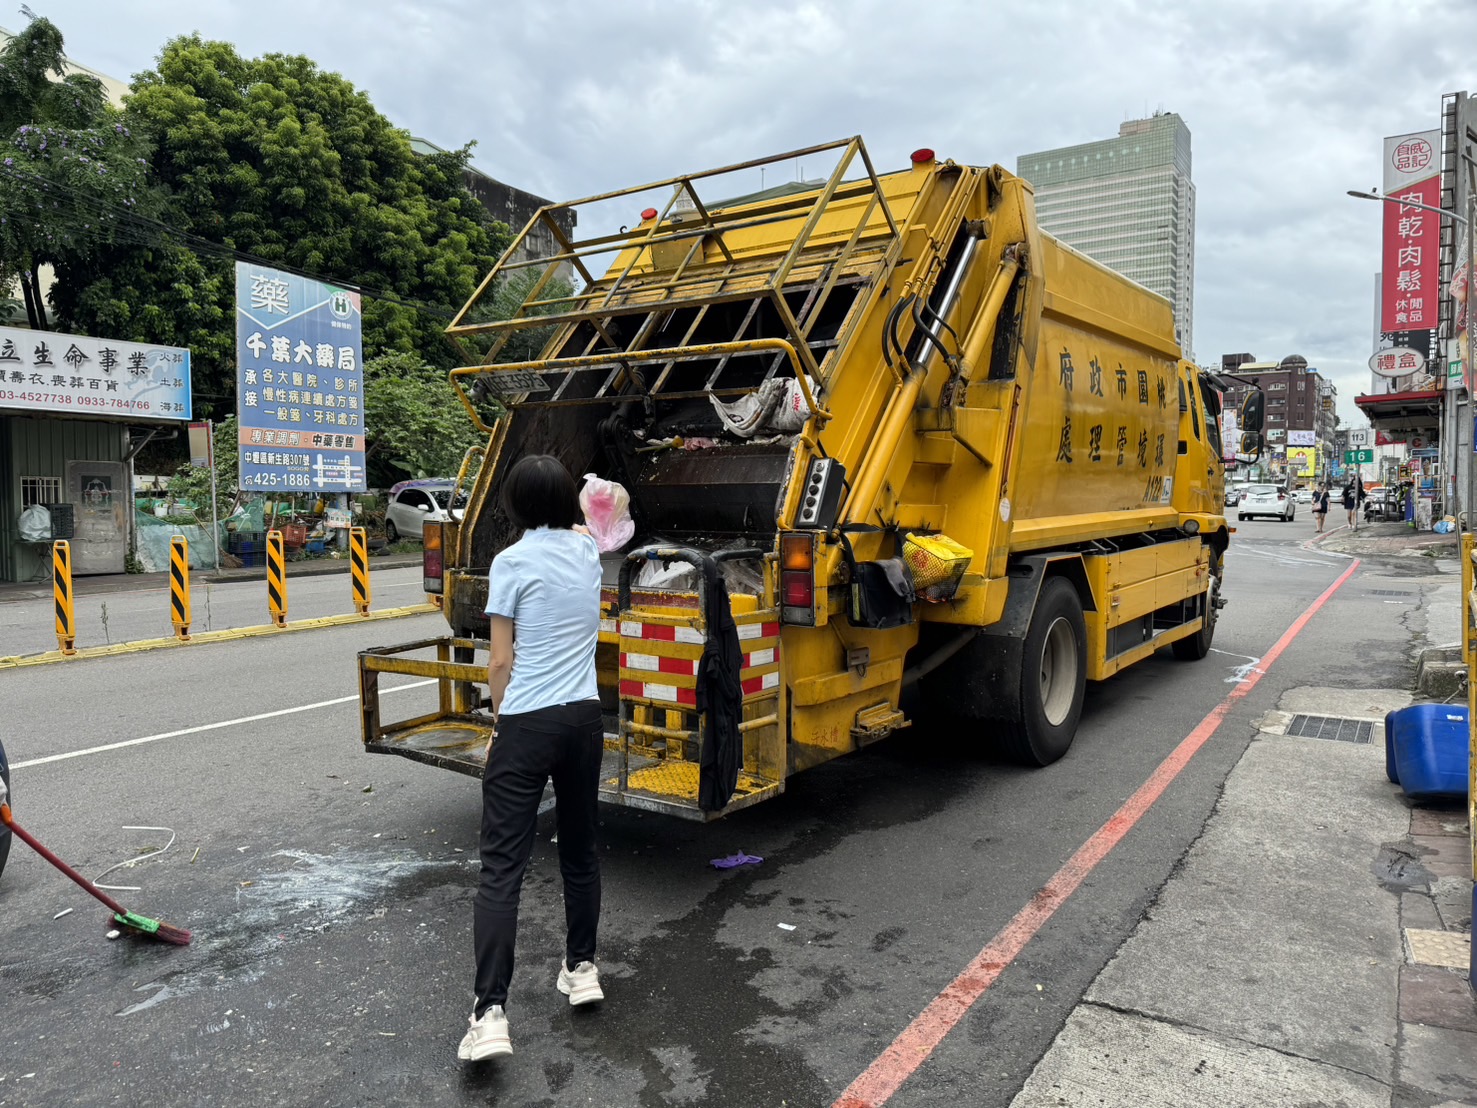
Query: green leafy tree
[(72, 173), (278, 159), (416, 426), (192, 483)]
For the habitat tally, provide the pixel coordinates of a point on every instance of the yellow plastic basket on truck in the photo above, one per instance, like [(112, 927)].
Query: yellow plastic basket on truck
[(937, 564)]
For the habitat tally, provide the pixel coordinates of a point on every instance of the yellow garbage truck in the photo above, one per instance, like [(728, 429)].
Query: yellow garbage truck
[(893, 454)]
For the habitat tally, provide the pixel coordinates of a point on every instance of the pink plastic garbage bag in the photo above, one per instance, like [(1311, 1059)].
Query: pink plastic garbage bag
[(607, 508)]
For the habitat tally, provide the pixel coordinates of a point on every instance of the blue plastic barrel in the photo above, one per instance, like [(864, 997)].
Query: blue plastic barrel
[(1427, 750)]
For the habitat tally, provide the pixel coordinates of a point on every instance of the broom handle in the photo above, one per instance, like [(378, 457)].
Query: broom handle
[(87, 886)]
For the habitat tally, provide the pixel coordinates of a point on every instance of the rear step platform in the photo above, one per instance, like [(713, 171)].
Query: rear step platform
[(654, 785)]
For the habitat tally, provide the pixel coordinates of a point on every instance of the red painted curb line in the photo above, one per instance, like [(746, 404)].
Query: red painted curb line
[(919, 1039)]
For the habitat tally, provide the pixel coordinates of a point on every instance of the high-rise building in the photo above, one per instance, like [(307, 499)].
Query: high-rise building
[(1129, 203)]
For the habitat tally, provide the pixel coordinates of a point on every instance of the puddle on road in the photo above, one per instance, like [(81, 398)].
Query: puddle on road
[(306, 895)]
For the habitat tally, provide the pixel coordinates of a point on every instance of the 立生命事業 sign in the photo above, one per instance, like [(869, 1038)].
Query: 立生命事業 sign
[(299, 386), (45, 371)]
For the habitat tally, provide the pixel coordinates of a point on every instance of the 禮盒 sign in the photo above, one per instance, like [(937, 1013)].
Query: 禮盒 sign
[(299, 387)]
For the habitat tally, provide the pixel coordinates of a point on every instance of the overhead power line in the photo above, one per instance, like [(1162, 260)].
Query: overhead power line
[(141, 230)]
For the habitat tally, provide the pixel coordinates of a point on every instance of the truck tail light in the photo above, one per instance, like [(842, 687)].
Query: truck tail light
[(433, 560), (797, 579)]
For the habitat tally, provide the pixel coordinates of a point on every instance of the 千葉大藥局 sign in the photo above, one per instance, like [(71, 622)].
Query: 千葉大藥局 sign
[(45, 371)]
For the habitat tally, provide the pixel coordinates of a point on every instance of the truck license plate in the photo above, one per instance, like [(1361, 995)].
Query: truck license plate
[(518, 381)]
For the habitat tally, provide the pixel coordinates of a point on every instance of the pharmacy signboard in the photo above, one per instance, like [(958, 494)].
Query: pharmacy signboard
[(299, 385)]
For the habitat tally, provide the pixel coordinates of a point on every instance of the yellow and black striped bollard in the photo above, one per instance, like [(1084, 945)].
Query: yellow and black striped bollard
[(179, 586), (276, 579), (359, 568), (61, 589)]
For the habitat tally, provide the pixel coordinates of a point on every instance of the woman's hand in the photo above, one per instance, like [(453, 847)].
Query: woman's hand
[(581, 528)]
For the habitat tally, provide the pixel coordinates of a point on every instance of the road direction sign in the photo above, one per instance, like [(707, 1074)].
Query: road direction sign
[(1362, 436), (1358, 457)]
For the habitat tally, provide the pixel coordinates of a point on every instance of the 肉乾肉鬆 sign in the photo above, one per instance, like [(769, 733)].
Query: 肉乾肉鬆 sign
[(1411, 238), (299, 388), (76, 375)]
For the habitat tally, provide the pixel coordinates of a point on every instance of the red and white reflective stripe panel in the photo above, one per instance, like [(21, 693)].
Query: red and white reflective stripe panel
[(671, 694), (608, 627), (633, 629), (761, 684), (688, 667), (649, 690), (655, 663)]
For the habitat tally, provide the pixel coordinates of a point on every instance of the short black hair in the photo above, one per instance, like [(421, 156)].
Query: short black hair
[(539, 492)]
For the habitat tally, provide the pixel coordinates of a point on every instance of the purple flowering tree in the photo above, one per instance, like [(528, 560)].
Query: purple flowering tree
[(70, 169)]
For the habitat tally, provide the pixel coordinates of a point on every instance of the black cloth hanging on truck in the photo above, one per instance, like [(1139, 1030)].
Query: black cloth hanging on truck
[(720, 696)]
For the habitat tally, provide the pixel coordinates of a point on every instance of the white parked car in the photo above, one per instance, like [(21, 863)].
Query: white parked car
[(1305, 496), (413, 503), (1267, 500)]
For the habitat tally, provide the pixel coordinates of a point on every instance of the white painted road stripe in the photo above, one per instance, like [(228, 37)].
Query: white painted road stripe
[(209, 727)]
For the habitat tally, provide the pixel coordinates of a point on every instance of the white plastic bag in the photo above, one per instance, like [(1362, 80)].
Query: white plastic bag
[(35, 524), (776, 405), (673, 577), (607, 508)]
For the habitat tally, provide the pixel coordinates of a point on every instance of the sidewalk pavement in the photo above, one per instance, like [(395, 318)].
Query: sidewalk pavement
[(1400, 539), (107, 583), (1312, 948)]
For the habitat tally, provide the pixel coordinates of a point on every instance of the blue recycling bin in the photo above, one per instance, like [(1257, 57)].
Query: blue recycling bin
[(1427, 750)]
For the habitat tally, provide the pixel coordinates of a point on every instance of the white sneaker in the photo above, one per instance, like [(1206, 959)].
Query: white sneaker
[(487, 1037), (581, 984)]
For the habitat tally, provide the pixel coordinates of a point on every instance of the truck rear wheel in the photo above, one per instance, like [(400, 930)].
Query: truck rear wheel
[(1197, 645), (1053, 678)]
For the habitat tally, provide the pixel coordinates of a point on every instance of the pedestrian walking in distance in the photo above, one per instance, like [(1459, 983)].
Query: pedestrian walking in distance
[(1320, 505), (1351, 502), (543, 598)]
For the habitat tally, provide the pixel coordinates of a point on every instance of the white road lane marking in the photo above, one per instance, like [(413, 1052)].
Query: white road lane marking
[(208, 727)]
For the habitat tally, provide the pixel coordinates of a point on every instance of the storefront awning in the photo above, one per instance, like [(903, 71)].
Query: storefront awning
[(1402, 411)]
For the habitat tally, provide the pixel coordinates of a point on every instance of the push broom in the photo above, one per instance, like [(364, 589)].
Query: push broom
[(122, 918)]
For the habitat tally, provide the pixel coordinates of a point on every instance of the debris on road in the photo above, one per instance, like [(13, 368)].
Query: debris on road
[(734, 860)]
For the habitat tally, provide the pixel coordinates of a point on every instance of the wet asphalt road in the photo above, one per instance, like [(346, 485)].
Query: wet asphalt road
[(330, 891)]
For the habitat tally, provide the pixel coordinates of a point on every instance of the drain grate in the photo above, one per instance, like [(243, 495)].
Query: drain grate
[(1331, 727), (1389, 592)]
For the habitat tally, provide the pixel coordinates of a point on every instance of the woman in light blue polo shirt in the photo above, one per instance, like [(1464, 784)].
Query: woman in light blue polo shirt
[(543, 592)]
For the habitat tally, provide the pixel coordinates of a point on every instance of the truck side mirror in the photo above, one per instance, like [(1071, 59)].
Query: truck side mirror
[(1253, 415), (1251, 442)]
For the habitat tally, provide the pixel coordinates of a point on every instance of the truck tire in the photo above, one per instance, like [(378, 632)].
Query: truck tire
[(1197, 645), (5, 835), (1053, 678)]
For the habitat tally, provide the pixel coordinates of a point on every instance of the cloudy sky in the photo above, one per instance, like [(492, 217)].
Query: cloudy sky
[(1286, 104)]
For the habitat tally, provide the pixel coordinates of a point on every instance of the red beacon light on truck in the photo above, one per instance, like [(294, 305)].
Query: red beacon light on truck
[(921, 156), (648, 214)]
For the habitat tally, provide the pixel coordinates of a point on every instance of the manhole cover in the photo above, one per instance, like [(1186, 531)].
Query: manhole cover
[(1389, 592), (1331, 727)]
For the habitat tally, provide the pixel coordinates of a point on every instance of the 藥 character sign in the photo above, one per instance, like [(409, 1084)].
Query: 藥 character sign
[(299, 384)]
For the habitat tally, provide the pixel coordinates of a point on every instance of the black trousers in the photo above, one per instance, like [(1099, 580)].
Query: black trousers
[(564, 743)]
